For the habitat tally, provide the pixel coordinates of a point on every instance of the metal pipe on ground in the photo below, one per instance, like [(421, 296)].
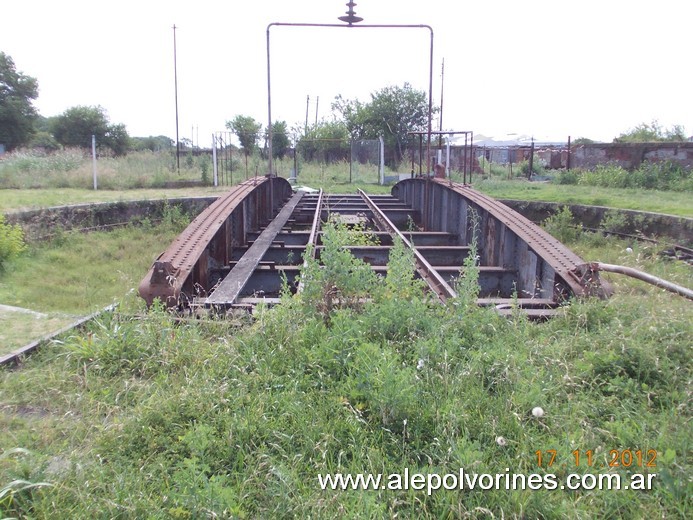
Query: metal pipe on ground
[(643, 276)]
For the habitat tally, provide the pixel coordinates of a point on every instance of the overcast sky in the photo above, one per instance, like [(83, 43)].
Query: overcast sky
[(549, 69)]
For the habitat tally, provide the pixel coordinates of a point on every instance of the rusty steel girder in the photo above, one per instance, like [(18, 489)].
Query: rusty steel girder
[(210, 238), (546, 268)]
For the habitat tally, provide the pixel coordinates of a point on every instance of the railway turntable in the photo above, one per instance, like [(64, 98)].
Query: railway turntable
[(239, 251)]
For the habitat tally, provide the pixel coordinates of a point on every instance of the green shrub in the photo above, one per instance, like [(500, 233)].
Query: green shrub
[(538, 166), (11, 241), (562, 226), (342, 281), (607, 176), (614, 221), (663, 175), (568, 177), (205, 163)]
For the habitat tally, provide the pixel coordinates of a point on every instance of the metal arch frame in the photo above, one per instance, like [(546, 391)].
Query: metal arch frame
[(349, 26), (178, 263)]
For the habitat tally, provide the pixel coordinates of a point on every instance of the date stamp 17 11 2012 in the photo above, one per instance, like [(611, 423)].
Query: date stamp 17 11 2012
[(587, 458)]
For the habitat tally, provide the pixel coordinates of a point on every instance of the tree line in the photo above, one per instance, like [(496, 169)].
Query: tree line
[(392, 113), (22, 126)]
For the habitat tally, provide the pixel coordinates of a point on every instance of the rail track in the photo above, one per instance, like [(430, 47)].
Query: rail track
[(238, 251)]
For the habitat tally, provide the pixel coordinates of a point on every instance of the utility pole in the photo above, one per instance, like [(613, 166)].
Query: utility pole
[(531, 160), (440, 121), (175, 80), (317, 102)]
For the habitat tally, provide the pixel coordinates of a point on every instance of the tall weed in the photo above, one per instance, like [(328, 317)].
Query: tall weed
[(72, 168), (337, 279), (11, 241), (662, 175), (562, 226)]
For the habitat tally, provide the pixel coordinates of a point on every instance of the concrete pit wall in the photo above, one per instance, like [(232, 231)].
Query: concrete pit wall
[(640, 223), (42, 223)]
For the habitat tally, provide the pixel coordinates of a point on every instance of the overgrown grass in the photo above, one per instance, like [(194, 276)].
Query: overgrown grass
[(143, 418), (75, 273), (72, 168), (67, 179), (336, 177), (657, 187), (56, 180), (19, 200), (673, 203), (664, 175), (669, 202), (82, 271)]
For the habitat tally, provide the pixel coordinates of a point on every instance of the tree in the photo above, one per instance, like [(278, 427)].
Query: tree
[(17, 114), (652, 133), (76, 125), (392, 112), (582, 140), (247, 130), (327, 141), (117, 139), (154, 144), (280, 139)]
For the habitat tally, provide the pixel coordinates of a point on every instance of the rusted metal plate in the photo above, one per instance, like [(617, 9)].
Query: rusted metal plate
[(561, 259), (505, 237), (232, 285)]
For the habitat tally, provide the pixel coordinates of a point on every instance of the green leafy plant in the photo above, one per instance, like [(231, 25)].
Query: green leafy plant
[(568, 177), (614, 221), (11, 241), (562, 226), (338, 279), (660, 175)]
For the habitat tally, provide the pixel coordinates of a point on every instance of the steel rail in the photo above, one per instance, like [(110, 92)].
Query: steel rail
[(436, 282), (312, 243)]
